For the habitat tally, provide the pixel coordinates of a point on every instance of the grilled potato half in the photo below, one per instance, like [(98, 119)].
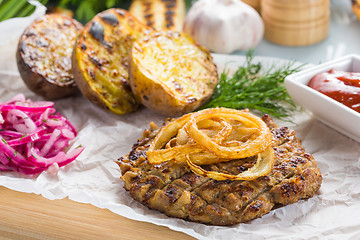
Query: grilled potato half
[(101, 60), (160, 14), (170, 74), (44, 55)]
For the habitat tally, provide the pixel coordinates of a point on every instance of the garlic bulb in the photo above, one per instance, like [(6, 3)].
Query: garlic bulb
[(224, 26)]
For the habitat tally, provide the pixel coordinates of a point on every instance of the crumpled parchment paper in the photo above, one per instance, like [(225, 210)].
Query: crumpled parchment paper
[(94, 177)]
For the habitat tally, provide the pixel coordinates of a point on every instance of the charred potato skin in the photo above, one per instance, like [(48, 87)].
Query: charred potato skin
[(170, 100), (100, 61), (48, 75)]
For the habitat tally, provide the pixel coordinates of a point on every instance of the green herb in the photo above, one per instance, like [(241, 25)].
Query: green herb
[(16, 8), (4, 141), (253, 88), (85, 10)]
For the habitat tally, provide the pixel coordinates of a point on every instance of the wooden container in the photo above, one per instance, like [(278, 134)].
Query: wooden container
[(254, 3), (296, 22)]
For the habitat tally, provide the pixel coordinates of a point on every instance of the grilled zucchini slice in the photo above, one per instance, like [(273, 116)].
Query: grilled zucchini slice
[(160, 14), (170, 74), (101, 60), (44, 55)]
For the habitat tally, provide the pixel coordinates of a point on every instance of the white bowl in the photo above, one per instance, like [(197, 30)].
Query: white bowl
[(327, 110)]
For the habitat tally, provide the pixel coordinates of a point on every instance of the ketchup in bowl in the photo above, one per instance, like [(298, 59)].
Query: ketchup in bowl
[(341, 86)]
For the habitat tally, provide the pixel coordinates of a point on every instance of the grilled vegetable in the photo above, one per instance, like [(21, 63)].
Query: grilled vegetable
[(101, 58), (160, 14), (170, 74), (44, 55)]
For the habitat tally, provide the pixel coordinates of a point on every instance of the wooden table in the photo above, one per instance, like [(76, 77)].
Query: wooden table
[(31, 216)]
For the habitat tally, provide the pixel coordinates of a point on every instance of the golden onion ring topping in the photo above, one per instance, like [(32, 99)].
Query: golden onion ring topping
[(212, 136)]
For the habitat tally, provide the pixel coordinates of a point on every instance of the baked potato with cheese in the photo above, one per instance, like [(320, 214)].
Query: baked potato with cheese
[(101, 59), (44, 55), (170, 74)]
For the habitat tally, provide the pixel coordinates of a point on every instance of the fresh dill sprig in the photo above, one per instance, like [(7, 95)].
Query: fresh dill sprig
[(253, 88)]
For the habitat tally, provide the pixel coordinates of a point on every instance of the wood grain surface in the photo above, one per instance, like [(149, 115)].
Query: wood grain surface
[(31, 216)]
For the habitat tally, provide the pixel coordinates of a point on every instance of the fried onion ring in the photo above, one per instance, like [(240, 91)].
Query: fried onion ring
[(247, 150), (262, 167), (212, 136)]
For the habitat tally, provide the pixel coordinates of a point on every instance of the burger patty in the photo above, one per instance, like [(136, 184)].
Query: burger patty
[(172, 188)]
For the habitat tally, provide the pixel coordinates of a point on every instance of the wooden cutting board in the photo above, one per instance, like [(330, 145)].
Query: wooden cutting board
[(31, 216)]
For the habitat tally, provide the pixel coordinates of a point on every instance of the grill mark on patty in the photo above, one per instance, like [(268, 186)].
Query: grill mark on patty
[(181, 193), (238, 169)]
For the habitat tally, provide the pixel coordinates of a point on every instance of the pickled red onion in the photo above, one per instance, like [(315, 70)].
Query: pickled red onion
[(33, 136)]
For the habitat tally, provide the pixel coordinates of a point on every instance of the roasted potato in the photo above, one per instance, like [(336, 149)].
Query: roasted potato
[(101, 59), (160, 14), (170, 74), (44, 55)]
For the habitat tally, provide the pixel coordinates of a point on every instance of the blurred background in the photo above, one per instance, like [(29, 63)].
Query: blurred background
[(340, 36), (82, 10)]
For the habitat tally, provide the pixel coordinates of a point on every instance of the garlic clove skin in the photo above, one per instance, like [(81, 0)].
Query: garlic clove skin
[(224, 26)]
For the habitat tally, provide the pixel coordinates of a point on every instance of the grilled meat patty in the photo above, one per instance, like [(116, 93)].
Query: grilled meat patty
[(171, 188)]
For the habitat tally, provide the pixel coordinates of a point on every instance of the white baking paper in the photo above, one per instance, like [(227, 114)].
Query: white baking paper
[(94, 177)]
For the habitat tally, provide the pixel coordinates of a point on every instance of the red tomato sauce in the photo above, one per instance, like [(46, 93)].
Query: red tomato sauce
[(341, 86)]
